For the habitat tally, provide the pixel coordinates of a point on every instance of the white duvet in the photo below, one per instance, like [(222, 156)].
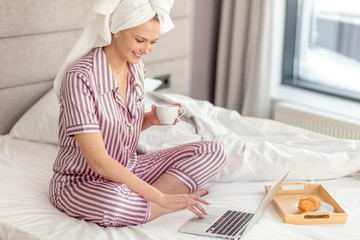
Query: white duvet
[(259, 151)]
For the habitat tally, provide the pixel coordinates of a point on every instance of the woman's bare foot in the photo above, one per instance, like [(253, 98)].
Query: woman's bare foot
[(200, 192)]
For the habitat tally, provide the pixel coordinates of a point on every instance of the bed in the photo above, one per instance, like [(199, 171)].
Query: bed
[(259, 152)]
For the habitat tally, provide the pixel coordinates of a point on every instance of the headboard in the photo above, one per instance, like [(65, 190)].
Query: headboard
[(37, 35)]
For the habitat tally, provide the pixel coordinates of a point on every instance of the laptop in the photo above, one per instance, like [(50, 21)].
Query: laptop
[(229, 224)]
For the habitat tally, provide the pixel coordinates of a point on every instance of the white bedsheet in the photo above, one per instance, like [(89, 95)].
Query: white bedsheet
[(26, 213)]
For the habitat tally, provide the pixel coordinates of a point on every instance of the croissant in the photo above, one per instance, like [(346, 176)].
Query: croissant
[(308, 204)]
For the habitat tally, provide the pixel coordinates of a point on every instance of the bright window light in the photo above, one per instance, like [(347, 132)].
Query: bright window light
[(326, 46)]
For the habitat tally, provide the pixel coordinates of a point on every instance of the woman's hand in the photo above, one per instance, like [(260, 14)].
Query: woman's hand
[(181, 201)]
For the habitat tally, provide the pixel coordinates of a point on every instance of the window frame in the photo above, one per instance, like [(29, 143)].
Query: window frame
[(290, 53)]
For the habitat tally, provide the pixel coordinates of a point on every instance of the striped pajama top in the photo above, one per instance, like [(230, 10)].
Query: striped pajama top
[(93, 104)]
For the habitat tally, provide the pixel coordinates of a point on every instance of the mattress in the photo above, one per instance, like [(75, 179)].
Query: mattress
[(259, 152)]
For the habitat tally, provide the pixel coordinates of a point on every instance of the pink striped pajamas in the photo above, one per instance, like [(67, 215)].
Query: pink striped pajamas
[(90, 102)]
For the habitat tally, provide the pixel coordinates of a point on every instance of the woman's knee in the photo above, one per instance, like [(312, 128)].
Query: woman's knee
[(216, 149)]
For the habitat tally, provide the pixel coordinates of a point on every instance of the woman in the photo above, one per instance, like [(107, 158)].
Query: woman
[(98, 176)]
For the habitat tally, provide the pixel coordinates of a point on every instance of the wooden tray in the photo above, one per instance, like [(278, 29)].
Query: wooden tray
[(291, 192)]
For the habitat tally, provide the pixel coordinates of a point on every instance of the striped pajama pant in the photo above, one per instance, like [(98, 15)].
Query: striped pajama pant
[(111, 204)]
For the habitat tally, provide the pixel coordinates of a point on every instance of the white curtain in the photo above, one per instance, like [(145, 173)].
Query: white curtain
[(243, 58)]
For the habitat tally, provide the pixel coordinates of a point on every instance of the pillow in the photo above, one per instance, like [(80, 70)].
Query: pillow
[(151, 84), (40, 122)]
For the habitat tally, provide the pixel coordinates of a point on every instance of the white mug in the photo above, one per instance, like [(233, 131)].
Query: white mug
[(167, 113)]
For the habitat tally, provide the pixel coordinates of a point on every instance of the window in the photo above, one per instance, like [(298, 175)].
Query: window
[(322, 46)]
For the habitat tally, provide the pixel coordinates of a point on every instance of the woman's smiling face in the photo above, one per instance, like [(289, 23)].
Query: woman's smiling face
[(131, 44)]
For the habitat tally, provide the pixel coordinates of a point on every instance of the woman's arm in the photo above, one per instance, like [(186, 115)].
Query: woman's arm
[(93, 149)]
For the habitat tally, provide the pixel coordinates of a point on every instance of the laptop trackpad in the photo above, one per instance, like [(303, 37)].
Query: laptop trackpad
[(207, 219)]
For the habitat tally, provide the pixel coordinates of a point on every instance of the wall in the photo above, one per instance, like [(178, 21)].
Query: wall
[(205, 26), (171, 55)]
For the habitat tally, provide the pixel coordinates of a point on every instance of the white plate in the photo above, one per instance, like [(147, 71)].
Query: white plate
[(325, 207)]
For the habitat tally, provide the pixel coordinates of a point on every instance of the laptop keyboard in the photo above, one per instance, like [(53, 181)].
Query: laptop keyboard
[(230, 223)]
